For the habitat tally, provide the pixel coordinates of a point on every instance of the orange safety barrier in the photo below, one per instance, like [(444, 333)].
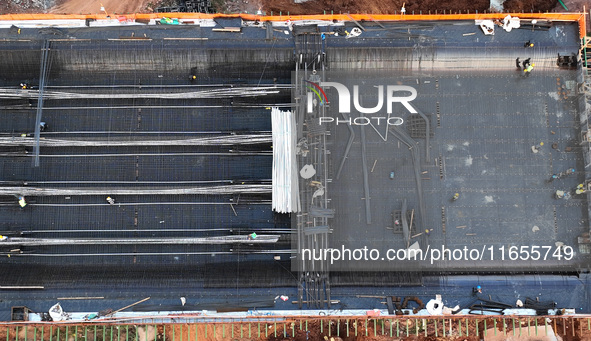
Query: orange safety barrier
[(578, 17)]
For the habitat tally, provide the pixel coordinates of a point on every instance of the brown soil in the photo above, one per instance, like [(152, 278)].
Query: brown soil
[(375, 332), (288, 6), (375, 6), (21, 6), (424, 6), (94, 6), (529, 5), (568, 329)]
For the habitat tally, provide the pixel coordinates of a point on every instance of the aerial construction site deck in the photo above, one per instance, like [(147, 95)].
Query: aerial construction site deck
[(207, 156)]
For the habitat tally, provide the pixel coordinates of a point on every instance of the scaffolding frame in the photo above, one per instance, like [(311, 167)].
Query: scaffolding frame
[(312, 231)]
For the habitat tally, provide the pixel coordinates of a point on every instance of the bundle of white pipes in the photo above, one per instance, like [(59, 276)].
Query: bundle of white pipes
[(199, 141), (286, 196), (209, 93), (203, 190)]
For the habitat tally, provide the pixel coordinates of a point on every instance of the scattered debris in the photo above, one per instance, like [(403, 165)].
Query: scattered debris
[(374, 165), (355, 32), (307, 171), (435, 307), (57, 313), (128, 306), (510, 23), (562, 194), (487, 26)]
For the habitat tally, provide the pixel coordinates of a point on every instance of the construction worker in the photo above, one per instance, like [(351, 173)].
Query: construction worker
[(528, 44), (43, 126), (22, 202), (517, 63), (526, 62), (456, 196), (111, 201), (528, 69), (477, 290), (580, 189), (24, 86)]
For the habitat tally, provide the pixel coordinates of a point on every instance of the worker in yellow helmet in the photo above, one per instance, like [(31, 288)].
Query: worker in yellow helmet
[(528, 69), (22, 202)]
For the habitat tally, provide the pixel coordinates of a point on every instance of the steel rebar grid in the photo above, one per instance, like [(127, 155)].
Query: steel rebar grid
[(43, 74)]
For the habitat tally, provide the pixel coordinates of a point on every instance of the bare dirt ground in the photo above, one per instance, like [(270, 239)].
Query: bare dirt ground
[(94, 6), (349, 330), (375, 6), (22, 6), (284, 6), (545, 5)]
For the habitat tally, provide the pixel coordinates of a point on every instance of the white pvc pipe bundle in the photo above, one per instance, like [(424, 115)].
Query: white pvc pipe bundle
[(230, 239), (203, 190), (224, 140), (286, 197), (209, 93)]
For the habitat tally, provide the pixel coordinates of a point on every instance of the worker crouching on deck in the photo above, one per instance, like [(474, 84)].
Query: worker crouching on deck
[(527, 71), (22, 202)]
